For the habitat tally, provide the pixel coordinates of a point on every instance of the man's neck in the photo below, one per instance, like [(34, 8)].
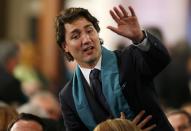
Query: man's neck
[(96, 64), (86, 71)]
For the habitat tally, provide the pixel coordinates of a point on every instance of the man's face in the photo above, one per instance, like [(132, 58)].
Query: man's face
[(82, 42), (180, 122)]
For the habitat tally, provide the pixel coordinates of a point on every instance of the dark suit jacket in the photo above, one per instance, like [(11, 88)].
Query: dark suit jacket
[(137, 70)]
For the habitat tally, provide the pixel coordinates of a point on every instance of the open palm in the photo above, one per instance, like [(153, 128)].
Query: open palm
[(127, 25)]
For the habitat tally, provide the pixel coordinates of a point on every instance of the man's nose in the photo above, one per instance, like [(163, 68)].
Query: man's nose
[(86, 38)]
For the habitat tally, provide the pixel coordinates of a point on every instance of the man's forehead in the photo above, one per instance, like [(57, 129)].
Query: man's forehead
[(77, 24)]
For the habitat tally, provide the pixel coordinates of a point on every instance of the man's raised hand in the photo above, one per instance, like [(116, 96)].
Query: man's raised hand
[(127, 23)]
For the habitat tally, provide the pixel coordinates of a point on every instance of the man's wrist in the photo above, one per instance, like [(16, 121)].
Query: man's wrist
[(144, 37)]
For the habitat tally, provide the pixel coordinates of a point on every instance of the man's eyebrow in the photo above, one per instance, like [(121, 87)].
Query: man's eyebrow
[(75, 31), (89, 25)]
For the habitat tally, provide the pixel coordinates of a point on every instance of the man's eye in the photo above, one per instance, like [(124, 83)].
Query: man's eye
[(75, 37), (90, 30)]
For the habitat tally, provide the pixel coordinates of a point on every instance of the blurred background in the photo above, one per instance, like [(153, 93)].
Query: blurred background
[(31, 24)]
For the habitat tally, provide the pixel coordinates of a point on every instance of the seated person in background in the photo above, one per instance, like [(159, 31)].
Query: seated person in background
[(48, 102), (7, 114), (10, 87), (45, 105), (30, 122), (180, 120), (27, 122)]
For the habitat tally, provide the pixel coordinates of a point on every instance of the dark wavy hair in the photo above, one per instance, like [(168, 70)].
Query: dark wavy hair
[(68, 16)]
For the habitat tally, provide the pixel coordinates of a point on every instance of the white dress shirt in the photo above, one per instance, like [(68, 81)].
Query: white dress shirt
[(86, 71)]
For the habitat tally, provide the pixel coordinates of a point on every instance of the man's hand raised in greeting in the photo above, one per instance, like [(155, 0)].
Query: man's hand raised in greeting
[(127, 24)]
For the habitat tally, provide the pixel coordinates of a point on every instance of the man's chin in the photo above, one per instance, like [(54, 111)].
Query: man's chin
[(91, 61)]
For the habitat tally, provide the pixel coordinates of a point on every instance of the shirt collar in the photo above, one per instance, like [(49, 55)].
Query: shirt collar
[(86, 71)]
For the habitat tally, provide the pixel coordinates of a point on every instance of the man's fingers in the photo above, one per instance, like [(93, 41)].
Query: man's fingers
[(120, 15), (122, 115), (144, 122), (137, 119), (125, 13), (114, 16), (132, 11), (150, 128)]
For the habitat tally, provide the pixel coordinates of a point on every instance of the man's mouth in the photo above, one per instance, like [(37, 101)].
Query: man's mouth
[(89, 48)]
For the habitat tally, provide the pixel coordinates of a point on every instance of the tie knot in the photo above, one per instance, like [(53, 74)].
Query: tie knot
[(94, 73)]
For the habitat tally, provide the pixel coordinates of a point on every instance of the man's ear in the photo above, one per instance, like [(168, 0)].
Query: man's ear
[(65, 47)]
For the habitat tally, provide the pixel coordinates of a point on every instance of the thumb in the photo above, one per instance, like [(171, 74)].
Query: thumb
[(122, 115), (113, 29)]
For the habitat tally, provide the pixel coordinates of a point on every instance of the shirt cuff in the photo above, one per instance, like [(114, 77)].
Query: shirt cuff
[(144, 45)]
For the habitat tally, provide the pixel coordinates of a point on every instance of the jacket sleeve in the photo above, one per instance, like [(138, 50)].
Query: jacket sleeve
[(150, 63)]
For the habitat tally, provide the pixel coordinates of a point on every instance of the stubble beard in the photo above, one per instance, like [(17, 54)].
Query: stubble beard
[(93, 61)]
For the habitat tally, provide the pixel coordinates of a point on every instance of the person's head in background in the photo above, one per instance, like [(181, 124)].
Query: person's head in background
[(27, 122), (48, 102), (180, 120), (116, 125), (8, 55), (7, 114), (10, 87)]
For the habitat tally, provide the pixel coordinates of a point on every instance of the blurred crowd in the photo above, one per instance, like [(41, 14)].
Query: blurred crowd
[(23, 89)]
